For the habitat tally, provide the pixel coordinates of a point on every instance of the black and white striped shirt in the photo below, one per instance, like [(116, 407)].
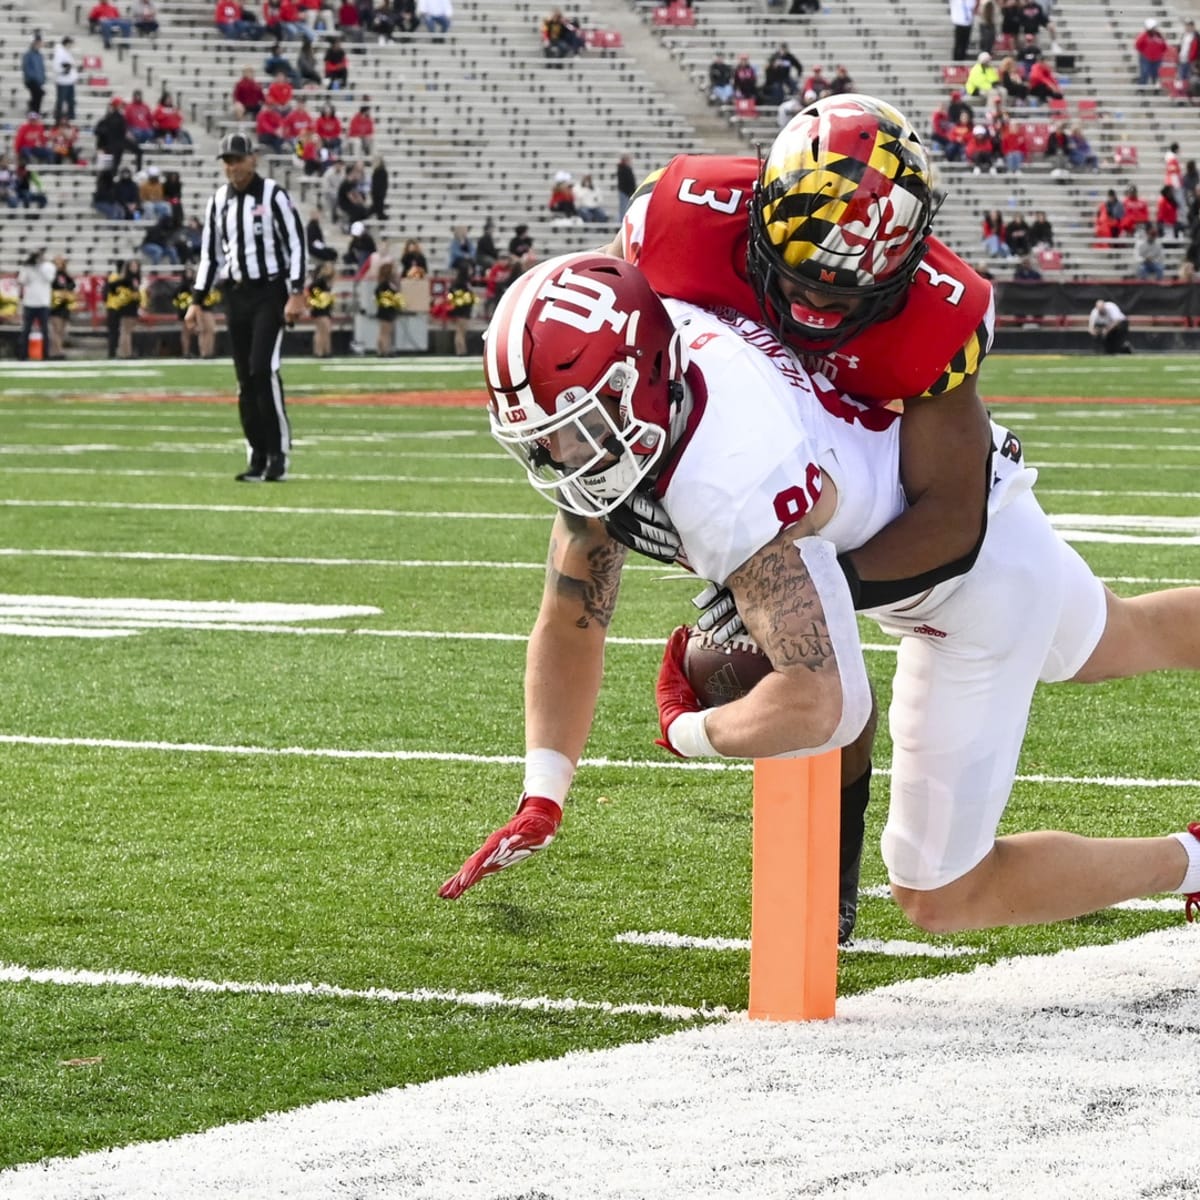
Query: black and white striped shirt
[(251, 235)]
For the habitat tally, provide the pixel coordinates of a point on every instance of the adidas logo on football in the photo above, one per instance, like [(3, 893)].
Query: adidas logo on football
[(723, 685)]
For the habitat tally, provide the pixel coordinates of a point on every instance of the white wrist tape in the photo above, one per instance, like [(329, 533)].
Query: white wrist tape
[(548, 774), (820, 558), (688, 735)]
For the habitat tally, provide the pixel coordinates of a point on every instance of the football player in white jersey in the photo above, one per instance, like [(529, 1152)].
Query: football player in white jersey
[(599, 388)]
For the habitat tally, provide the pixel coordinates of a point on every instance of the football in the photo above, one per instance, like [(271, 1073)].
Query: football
[(719, 674)]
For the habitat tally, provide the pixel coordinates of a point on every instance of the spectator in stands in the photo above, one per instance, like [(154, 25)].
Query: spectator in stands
[(361, 245), (994, 245), (520, 244), (1173, 172), (104, 196), (1147, 253), (1033, 17), (1191, 180), (461, 249), (62, 304), (291, 21), (983, 76), (280, 90), (1025, 271), (389, 304), (329, 129), (230, 19), (460, 301), (1189, 52), (816, 83), (27, 187), (1027, 54), (981, 150), (106, 20), (63, 141), (157, 243), (787, 110), (122, 299), (139, 119), (562, 195), (268, 129), (297, 120), (1041, 232), (112, 136), (30, 142), (168, 123), (1079, 150), (1011, 81), (128, 195), (348, 21), (1058, 145), (778, 80), (941, 135), (33, 73), (1110, 327), (1043, 83), (361, 132), (7, 179), (626, 186), (248, 95), (308, 149), (1151, 49), (496, 282), (588, 204), (379, 184), (962, 18), (959, 108), (720, 80), (337, 69), (317, 14), (436, 14), (173, 195), (1167, 214), (275, 65), (318, 249), (413, 263), (558, 37), (1014, 146), (1137, 211), (66, 76), (486, 250), (320, 298), (380, 22), (145, 17), (1016, 236), (841, 83), (351, 197), (987, 16), (745, 78), (151, 197), (307, 67), (405, 12)]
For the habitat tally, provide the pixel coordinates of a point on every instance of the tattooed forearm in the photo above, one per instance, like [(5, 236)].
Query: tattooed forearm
[(596, 594), (779, 604)]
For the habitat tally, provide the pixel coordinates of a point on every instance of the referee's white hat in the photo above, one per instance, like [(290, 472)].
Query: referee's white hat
[(236, 145)]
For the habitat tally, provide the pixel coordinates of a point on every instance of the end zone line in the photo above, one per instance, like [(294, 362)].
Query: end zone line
[(893, 947), (12, 973)]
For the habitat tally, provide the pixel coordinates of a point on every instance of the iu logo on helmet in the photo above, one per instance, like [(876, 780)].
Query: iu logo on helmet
[(583, 302)]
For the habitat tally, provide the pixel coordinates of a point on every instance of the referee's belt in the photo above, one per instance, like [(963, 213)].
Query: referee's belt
[(246, 285)]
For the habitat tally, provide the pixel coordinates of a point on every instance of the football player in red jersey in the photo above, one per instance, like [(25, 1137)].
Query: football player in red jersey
[(828, 241)]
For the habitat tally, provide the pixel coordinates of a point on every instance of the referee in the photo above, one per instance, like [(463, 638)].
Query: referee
[(254, 242)]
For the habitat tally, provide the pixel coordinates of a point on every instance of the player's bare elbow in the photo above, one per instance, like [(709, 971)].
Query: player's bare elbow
[(831, 715)]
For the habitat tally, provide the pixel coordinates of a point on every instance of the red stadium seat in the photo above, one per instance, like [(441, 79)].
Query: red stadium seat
[(1038, 136), (1049, 259), (1088, 109), (1005, 44), (1058, 109), (955, 74), (1125, 154), (91, 62), (745, 107), (674, 14), (1166, 75), (604, 39)]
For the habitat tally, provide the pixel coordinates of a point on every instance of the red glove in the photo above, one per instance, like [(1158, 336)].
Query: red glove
[(673, 692), (532, 827)]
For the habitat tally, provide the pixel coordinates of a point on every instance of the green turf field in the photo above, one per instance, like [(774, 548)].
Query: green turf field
[(248, 731)]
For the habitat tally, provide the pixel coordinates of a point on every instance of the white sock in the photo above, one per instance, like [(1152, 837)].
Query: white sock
[(1191, 843)]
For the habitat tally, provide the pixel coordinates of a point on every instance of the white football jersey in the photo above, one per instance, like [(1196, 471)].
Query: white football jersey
[(763, 434)]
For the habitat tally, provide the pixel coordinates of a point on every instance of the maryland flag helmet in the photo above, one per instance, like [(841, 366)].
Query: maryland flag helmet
[(842, 208)]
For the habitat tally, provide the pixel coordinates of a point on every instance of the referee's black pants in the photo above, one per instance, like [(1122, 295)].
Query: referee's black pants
[(255, 321)]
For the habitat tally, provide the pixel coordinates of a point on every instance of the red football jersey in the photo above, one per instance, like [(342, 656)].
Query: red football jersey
[(688, 228)]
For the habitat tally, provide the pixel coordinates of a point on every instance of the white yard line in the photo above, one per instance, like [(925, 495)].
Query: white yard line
[(1065, 1075), (892, 947)]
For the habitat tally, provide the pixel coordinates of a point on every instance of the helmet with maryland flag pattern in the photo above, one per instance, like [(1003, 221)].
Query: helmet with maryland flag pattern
[(583, 366), (842, 210)]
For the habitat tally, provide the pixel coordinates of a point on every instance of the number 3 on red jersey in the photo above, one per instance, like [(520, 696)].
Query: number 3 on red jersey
[(725, 200)]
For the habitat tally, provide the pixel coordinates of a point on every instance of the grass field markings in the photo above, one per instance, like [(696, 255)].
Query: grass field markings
[(70, 977), (176, 611), (599, 762), (31, 629), (425, 366), (892, 947), (378, 436), (283, 510), (1066, 1074), (308, 476)]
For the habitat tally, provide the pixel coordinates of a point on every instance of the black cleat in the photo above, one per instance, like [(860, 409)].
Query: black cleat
[(254, 468), (276, 468)]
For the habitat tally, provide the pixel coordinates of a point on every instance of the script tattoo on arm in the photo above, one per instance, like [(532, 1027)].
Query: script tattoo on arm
[(585, 569), (781, 608)]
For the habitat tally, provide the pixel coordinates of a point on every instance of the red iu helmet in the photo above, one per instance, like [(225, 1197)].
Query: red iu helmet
[(583, 367), (842, 208)]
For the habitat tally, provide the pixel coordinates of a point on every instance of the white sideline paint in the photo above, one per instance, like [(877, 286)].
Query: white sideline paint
[(1062, 1076), (895, 948), (1171, 903), (672, 764), (176, 611), (11, 973)]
